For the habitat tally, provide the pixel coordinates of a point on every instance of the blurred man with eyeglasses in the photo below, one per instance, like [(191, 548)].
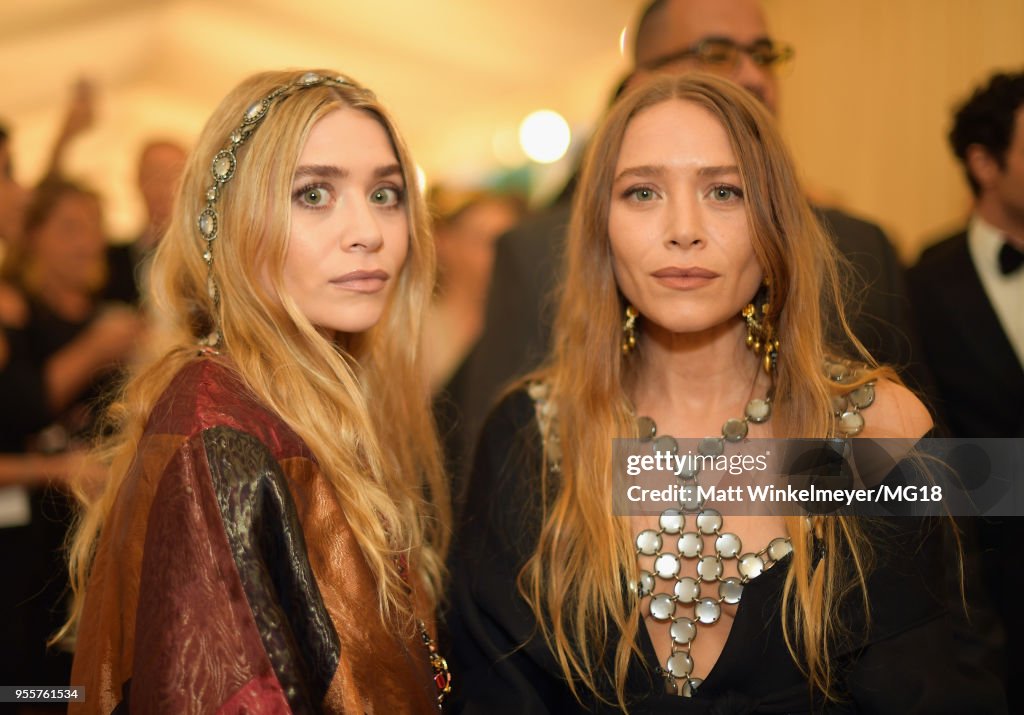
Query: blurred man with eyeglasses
[(729, 38)]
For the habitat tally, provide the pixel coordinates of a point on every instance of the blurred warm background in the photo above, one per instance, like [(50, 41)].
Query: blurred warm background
[(866, 104)]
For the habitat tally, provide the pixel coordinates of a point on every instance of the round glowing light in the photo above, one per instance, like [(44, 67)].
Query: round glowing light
[(545, 136)]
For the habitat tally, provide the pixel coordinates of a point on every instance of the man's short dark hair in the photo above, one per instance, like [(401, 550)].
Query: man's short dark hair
[(987, 119)]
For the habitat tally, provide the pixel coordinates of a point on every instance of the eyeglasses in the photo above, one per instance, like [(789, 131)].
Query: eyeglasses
[(723, 53)]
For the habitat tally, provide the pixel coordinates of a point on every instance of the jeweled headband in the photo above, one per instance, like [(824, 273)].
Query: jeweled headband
[(225, 162)]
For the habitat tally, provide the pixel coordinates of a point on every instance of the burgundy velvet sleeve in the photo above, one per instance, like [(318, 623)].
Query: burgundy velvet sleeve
[(229, 616)]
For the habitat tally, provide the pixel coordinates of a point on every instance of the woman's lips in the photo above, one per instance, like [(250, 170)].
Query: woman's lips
[(362, 281), (684, 278)]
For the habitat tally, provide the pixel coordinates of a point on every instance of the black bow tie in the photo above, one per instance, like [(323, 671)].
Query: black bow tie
[(1010, 259)]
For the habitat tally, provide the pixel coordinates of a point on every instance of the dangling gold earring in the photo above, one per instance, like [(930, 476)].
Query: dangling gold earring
[(629, 330), (760, 332)]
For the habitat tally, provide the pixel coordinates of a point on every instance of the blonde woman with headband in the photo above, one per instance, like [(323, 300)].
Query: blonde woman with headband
[(273, 533), (696, 285)]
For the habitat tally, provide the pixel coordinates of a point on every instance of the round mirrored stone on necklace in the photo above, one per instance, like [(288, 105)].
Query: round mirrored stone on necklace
[(665, 444), (779, 548), (851, 423), (690, 544), (839, 404), (662, 607), (750, 566), (667, 566), (734, 429), (672, 521), (648, 542), (687, 590), (707, 611), (711, 446), (758, 410), (863, 397), (730, 590), (709, 521), (679, 664), (728, 545), (837, 372), (645, 584), (646, 428), (709, 568), (683, 630)]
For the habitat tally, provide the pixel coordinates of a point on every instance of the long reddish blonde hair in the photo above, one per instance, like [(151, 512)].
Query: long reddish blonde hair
[(573, 581), (382, 461)]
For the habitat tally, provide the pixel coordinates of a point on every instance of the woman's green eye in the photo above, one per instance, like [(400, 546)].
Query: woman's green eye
[(386, 196)]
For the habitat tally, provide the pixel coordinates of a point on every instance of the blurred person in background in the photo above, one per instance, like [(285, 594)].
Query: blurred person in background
[(78, 117), (466, 228), (161, 163), (60, 361), (13, 197), (968, 291)]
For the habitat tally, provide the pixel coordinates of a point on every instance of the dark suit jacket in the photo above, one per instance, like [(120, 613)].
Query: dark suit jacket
[(978, 378), (979, 392)]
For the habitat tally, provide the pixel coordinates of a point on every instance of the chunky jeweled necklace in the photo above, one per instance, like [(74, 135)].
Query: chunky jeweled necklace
[(702, 522), (687, 591), (680, 535)]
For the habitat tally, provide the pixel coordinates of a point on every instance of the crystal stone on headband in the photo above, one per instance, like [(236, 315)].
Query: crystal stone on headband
[(256, 111), (208, 224), (223, 166)]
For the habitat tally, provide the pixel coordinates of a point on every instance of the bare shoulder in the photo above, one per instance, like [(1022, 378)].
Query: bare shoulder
[(896, 412)]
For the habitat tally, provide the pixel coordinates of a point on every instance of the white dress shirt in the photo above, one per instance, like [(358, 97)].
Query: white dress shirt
[(1005, 292)]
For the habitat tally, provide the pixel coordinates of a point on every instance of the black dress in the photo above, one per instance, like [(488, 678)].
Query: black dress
[(33, 603), (904, 663)]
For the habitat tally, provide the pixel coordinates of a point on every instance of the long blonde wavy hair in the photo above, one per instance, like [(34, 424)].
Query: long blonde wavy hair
[(574, 580), (359, 402)]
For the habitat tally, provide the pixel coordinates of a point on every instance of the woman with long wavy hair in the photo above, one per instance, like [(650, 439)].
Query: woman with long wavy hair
[(696, 285), (273, 532)]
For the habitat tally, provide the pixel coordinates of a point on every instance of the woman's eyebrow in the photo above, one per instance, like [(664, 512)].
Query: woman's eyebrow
[(338, 172)]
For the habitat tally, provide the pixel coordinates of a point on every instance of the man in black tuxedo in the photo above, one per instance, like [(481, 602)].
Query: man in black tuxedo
[(968, 289), (968, 292)]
